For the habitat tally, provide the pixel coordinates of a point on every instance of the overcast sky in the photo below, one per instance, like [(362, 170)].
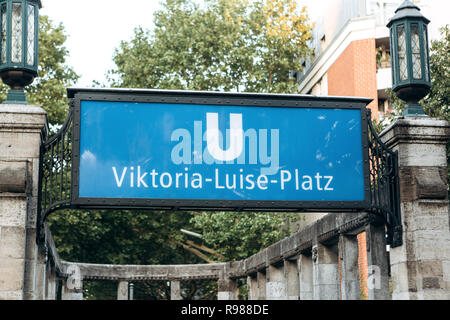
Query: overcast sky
[(96, 27)]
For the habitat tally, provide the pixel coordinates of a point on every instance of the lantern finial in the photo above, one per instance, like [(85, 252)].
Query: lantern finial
[(19, 26), (410, 57)]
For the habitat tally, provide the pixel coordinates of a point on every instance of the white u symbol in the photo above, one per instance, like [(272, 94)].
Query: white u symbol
[(236, 137)]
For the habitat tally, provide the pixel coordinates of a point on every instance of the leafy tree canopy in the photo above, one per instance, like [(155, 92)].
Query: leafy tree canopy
[(237, 236), (227, 45)]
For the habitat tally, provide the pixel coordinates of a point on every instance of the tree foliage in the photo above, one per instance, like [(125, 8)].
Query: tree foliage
[(237, 236), (123, 237), (227, 45), (120, 237), (54, 75), (437, 103)]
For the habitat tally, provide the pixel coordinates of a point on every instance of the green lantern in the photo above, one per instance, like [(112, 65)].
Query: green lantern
[(19, 25), (410, 57)]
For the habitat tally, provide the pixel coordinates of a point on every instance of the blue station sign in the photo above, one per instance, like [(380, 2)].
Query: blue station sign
[(205, 150)]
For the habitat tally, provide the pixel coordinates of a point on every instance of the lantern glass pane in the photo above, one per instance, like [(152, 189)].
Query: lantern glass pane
[(425, 49), (415, 49), (393, 66), (401, 49), (30, 35), (3, 35), (16, 37)]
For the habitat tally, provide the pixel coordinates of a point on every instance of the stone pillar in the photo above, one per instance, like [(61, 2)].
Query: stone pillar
[(69, 293), (51, 285), (276, 283), (122, 290), (377, 263), (420, 268), (291, 277), (175, 290), (261, 279), (325, 272), (20, 136), (305, 270), (228, 289), (348, 255), (37, 273), (72, 286), (252, 287)]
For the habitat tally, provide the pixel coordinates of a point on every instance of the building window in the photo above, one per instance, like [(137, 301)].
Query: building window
[(415, 48)]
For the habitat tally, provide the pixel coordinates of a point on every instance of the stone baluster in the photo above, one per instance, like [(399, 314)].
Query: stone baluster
[(325, 272), (348, 255), (276, 283), (377, 263), (262, 281), (122, 290), (252, 285), (72, 293), (175, 290), (291, 276), (305, 269)]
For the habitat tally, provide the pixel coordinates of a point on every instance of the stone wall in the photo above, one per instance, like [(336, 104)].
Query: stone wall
[(421, 267), (21, 262)]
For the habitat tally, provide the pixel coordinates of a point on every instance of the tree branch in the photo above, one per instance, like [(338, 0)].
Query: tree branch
[(203, 248), (195, 251)]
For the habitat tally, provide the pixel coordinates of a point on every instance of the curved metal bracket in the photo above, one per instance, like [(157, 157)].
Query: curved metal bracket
[(55, 162), (384, 185)]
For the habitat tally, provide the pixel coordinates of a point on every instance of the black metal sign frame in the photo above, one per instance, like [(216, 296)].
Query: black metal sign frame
[(220, 99), (59, 161)]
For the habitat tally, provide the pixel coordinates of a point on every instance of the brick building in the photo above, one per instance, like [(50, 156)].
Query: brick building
[(352, 52), (352, 58)]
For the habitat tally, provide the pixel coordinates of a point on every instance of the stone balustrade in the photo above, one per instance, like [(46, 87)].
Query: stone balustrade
[(298, 267), (318, 262)]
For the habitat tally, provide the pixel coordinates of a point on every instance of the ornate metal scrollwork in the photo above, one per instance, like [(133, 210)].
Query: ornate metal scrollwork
[(55, 173), (56, 168), (384, 186)]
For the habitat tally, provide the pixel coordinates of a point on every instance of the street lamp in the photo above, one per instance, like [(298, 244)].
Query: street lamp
[(19, 26), (410, 57)]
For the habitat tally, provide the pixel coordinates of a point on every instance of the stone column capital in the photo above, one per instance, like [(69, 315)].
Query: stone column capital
[(419, 142), (416, 130), (22, 116)]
